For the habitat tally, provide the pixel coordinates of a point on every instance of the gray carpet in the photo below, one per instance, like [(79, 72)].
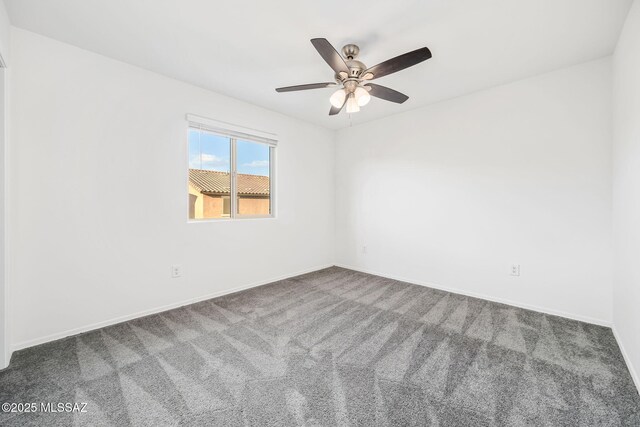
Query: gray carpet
[(333, 347)]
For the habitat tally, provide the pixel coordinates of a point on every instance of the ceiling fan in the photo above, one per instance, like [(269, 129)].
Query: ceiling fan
[(354, 77)]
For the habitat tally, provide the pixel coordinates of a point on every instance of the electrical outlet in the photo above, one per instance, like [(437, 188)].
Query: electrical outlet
[(364, 250), (515, 270), (176, 271)]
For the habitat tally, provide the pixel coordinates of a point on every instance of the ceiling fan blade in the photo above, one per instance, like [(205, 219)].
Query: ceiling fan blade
[(330, 55), (385, 93), (305, 87), (335, 110), (398, 63)]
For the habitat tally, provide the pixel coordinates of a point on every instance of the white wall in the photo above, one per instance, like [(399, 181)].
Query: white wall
[(626, 190), (98, 197), (5, 32), (454, 193), (5, 29)]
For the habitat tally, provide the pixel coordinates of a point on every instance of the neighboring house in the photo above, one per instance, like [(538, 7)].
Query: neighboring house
[(209, 194)]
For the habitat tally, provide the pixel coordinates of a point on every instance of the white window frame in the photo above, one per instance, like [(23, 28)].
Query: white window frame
[(235, 133)]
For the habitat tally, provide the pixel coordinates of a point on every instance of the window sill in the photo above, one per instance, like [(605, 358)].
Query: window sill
[(241, 218)]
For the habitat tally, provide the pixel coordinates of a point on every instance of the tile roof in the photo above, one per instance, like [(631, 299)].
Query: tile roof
[(215, 182)]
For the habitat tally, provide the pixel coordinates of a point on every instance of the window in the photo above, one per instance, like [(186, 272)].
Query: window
[(230, 171)]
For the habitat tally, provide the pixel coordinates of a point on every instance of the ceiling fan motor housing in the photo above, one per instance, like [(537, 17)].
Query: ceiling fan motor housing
[(350, 52)]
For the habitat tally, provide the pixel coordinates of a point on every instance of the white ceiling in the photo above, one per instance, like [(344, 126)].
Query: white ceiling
[(246, 48)]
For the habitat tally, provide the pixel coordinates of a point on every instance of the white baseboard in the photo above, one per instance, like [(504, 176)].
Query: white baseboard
[(627, 359), (98, 325), (553, 312)]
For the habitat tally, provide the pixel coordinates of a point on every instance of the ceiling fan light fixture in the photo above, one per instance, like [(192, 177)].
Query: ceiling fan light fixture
[(362, 96), (352, 104), (337, 99)]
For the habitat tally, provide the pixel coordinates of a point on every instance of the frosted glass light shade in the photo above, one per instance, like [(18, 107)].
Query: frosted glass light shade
[(362, 96), (352, 104), (337, 99)]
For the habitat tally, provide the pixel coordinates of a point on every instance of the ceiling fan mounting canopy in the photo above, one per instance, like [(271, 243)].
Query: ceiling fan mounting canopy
[(350, 51), (353, 76)]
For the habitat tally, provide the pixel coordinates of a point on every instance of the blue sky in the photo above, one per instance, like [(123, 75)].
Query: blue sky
[(212, 152)]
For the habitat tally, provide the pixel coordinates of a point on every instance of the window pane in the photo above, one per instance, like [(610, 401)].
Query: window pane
[(226, 206), (253, 180), (209, 174)]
